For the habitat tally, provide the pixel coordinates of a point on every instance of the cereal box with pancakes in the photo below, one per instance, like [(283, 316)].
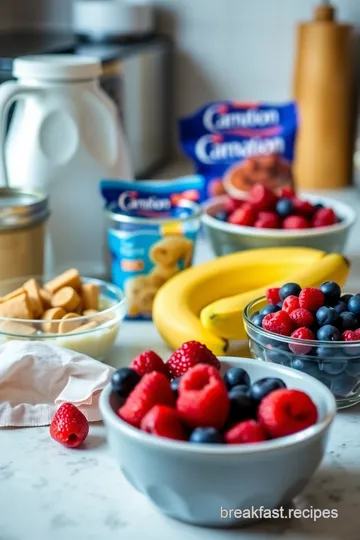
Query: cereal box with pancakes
[(235, 145)]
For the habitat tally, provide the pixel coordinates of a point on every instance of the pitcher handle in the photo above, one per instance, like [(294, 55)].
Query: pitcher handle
[(10, 91)]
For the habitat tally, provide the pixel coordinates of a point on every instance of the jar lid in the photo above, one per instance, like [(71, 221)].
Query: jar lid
[(57, 67), (20, 208)]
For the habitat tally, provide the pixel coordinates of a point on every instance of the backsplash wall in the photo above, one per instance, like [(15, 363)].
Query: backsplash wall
[(241, 49)]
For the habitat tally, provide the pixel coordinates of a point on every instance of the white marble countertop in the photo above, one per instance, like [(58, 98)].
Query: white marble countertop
[(48, 491)]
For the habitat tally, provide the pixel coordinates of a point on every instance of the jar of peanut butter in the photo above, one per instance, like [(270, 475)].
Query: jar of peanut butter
[(22, 233)]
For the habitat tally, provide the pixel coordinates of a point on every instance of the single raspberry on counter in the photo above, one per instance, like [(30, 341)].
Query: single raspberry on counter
[(153, 389), (244, 216), (279, 323), (203, 400), (290, 304), (324, 217), (301, 333), (267, 220), (165, 422), (287, 192), (284, 412), (248, 431), (188, 355), (69, 426), (302, 317), (272, 295), (303, 208), (230, 205), (147, 362), (262, 198), (296, 222), (311, 298)]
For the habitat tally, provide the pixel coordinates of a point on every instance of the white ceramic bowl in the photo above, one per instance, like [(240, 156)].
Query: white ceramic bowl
[(192, 482), (226, 238)]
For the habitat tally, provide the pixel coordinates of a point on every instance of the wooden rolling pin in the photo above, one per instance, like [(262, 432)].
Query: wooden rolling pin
[(323, 88)]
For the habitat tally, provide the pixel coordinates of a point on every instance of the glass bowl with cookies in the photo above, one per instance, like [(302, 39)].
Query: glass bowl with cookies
[(78, 313)]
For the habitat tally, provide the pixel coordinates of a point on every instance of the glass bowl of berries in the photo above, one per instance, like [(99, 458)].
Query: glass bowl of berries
[(312, 330), (265, 219)]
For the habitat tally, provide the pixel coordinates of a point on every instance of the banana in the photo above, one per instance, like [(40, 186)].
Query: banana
[(179, 302), (224, 317)]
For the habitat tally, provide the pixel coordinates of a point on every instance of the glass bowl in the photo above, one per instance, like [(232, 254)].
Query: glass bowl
[(96, 340), (335, 364)]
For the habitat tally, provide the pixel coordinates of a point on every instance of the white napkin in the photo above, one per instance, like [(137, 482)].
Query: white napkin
[(36, 378)]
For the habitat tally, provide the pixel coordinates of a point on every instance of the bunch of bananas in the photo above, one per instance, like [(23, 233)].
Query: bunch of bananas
[(206, 302)]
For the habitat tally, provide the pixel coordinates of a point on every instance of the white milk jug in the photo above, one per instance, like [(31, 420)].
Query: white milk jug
[(63, 139)]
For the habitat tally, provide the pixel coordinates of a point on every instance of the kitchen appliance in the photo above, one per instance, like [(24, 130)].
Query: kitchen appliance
[(64, 138), (323, 88), (136, 75)]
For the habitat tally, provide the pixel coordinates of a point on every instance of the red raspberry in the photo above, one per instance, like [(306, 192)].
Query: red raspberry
[(279, 323), (303, 208), (267, 220), (290, 304), (188, 355), (301, 333), (153, 389), (203, 399), (147, 362), (231, 205), (350, 335), (287, 193), (284, 412), (296, 222), (245, 216), (69, 426), (262, 198), (311, 298), (248, 431), (164, 422), (272, 295), (302, 317), (357, 333), (324, 217)]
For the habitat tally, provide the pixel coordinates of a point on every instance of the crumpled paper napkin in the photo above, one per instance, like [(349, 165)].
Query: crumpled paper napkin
[(36, 378)]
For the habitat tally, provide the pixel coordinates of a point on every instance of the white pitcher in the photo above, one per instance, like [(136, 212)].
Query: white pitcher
[(64, 138)]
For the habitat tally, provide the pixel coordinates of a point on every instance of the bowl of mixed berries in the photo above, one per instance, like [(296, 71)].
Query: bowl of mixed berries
[(196, 433), (313, 330), (267, 219)]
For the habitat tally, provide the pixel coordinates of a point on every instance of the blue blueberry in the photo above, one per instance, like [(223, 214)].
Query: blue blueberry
[(242, 406), (278, 356), (236, 376), (306, 366), (326, 352), (354, 304), (350, 349), (270, 308), (284, 207), (348, 321), (332, 292), (327, 315), (207, 435), (318, 206), (340, 307), (123, 381), (289, 289), (257, 350), (240, 389), (345, 298), (175, 385), (328, 333), (264, 387), (258, 319), (353, 367), (332, 367), (221, 215), (343, 385)]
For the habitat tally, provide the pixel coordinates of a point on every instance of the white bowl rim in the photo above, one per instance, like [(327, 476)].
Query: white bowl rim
[(222, 449), (347, 213)]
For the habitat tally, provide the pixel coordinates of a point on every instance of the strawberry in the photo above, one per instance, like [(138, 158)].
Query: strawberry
[(188, 355), (147, 362), (324, 217), (248, 431), (164, 422), (69, 426), (284, 412), (203, 400), (267, 220), (153, 389)]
